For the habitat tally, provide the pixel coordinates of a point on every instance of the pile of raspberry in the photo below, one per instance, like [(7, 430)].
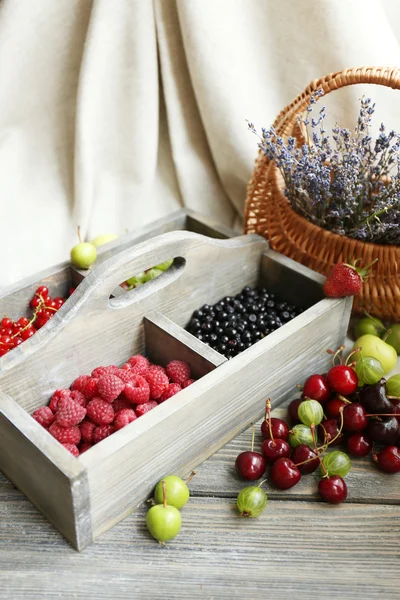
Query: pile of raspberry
[(97, 405)]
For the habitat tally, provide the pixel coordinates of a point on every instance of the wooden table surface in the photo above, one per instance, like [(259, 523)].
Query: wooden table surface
[(297, 549)]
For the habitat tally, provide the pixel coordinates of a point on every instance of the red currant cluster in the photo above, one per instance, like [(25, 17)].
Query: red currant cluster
[(333, 409), (13, 333)]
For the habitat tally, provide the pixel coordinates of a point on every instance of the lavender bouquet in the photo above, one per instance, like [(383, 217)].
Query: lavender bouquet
[(350, 185)]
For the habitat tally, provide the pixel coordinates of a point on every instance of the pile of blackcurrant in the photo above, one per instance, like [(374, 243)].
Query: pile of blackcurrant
[(333, 409), (235, 323)]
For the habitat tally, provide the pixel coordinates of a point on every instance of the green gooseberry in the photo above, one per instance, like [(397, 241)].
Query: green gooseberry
[(165, 265), (393, 339), (310, 412), (152, 274), (393, 386), (369, 370), (251, 501), (300, 434), (336, 463)]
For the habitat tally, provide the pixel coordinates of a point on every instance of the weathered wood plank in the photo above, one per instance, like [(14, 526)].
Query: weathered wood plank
[(295, 549)]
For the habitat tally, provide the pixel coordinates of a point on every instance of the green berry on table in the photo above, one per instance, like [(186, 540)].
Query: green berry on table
[(165, 265), (369, 325), (369, 370), (251, 501), (177, 492), (336, 463), (373, 346), (163, 521)]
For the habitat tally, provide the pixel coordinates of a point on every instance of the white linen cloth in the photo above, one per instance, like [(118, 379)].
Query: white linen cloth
[(116, 112)]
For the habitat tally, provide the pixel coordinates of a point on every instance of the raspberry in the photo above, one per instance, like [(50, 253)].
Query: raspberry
[(142, 409), (188, 382), (100, 411), (158, 382), (101, 432), (139, 364), (90, 389), (171, 390), (100, 371), (44, 416), (157, 368), (83, 446), (86, 429), (126, 367), (137, 390), (72, 448), (124, 417), (79, 383), (79, 398), (57, 396), (178, 371), (126, 375), (110, 387), (65, 435), (120, 403), (69, 413)]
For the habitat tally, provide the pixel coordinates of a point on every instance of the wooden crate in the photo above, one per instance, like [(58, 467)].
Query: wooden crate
[(84, 497)]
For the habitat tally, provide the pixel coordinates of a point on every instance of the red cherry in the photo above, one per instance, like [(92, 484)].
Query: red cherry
[(354, 418), (42, 291), (274, 449), (331, 427), (316, 387), (280, 429), (358, 444), (333, 489), (332, 408), (250, 465), (293, 410), (284, 474), (342, 379), (302, 453), (388, 459)]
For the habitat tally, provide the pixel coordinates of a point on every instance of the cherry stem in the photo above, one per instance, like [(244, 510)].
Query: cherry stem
[(312, 427), (351, 354), (336, 355), (268, 411), (343, 399), (340, 428), (192, 474), (384, 415), (79, 234), (164, 493), (252, 437), (393, 397)]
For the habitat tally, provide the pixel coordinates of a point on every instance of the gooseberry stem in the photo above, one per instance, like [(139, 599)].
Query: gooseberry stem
[(79, 234), (164, 493), (192, 474)]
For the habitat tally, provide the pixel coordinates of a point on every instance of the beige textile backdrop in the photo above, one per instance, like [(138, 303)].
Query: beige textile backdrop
[(116, 112)]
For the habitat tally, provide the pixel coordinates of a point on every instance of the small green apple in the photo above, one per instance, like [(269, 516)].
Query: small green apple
[(83, 255), (373, 346), (104, 238), (393, 339)]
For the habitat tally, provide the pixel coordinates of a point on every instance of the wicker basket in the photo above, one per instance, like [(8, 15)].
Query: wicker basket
[(268, 212)]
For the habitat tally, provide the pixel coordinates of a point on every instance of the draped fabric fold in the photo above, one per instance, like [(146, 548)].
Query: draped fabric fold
[(117, 112)]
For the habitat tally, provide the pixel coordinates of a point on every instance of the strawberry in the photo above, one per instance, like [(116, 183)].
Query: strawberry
[(345, 280)]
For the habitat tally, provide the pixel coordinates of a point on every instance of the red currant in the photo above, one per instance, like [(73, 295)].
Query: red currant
[(42, 291)]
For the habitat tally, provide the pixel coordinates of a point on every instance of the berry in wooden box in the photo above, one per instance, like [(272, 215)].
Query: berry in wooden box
[(85, 496)]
